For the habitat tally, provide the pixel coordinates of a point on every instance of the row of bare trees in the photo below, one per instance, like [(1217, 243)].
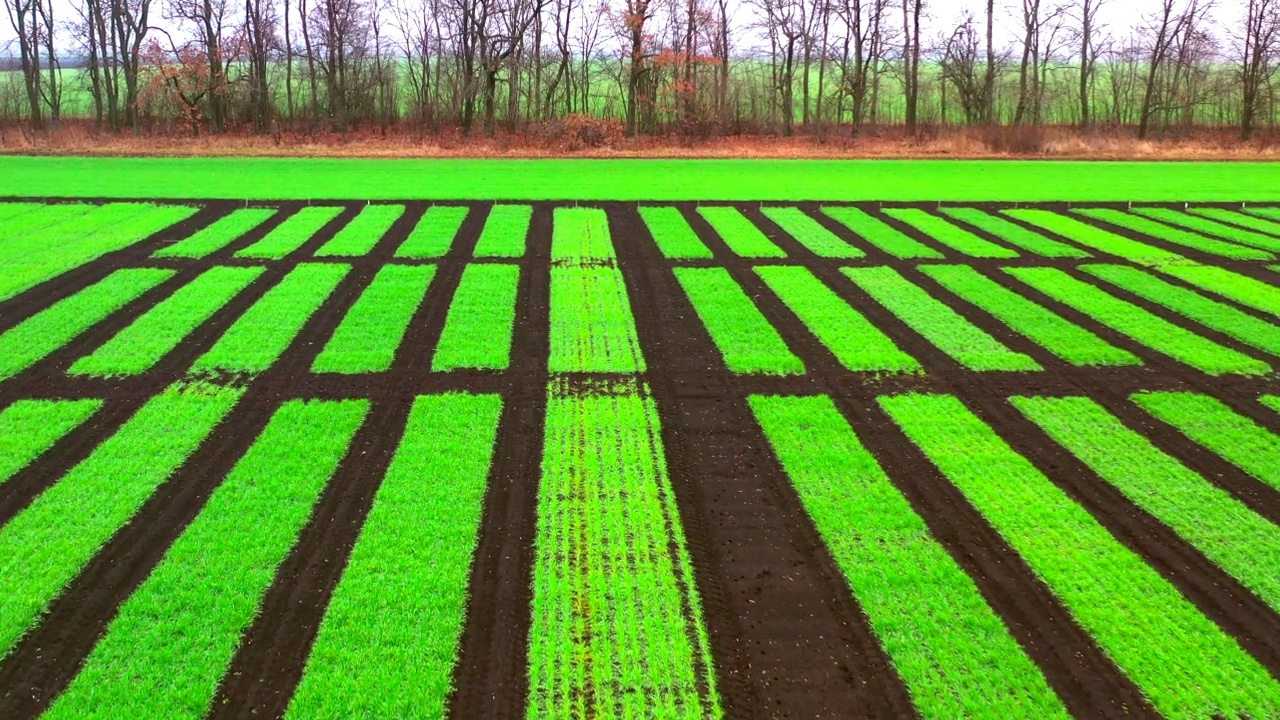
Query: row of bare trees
[(694, 66)]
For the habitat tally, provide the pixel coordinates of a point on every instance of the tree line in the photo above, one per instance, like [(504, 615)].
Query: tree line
[(648, 66)]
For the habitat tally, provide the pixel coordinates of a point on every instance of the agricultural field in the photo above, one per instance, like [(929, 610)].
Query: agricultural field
[(672, 459)]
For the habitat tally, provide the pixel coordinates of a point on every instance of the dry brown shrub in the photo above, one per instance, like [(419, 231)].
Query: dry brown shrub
[(575, 133)]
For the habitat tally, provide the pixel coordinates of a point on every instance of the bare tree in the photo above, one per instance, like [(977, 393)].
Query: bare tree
[(1088, 38), (911, 10), (1259, 48), (959, 67)]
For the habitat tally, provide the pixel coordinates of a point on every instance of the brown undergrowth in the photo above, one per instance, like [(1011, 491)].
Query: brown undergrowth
[(593, 138)]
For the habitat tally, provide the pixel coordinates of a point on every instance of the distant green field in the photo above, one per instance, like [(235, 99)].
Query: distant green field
[(619, 179)]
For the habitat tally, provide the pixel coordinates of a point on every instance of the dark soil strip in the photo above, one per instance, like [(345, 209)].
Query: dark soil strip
[(47, 659), (788, 640), (491, 679), (1077, 669)]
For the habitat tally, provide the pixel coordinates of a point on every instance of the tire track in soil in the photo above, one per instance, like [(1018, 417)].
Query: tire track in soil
[(1075, 667), (788, 640), (491, 676)]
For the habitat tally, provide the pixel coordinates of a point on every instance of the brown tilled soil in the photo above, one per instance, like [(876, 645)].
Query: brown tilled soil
[(788, 637)]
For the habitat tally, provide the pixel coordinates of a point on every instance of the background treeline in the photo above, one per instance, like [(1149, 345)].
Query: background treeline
[(634, 66)]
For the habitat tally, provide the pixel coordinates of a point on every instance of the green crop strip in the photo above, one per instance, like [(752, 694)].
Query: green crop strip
[(887, 238), (955, 655), (617, 627), (1091, 236), (1187, 666), (1043, 327), (39, 256), (49, 220), (1270, 213), (745, 339), (1210, 313), (1129, 319), (433, 235), (143, 343), (580, 235), (954, 237), (389, 640), (810, 233), (1233, 286), (1013, 233), (653, 180), (358, 237), (592, 329), (30, 427), (1211, 227), (1241, 542), (739, 233), (44, 546), (856, 343), (291, 234), (259, 337), (968, 344), (1174, 235), (370, 334), (673, 235), (505, 231), (10, 211), (37, 336), (477, 332), (1209, 422), (1242, 219), (217, 235), (204, 593)]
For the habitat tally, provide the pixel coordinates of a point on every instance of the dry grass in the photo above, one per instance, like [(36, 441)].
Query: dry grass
[(594, 139)]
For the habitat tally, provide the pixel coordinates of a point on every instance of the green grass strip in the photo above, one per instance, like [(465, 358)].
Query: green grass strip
[(1185, 664), (258, 337), (359, 237), (217, 235), (811, 233), (142, 344), (739, 233), (1210, 226), (617, 627), (745, 339), (10, 211), (389, 639), (1241, 219), (39, 256), (956, 656), (580, 234), (855, 342), (370, 334), (172, 641), (505, 231), (1175, 235), (477, 331), (887, 238), (1241, 542), (293, 233), (30, 427), (1050, 331), (48, 220), (1269, 213), (968, 344), (1211, 423), (674, 236), (1013, 233), (1233, 286), (592, 329), (1092, 236), (953, 236), (1210, 313), (1128, 319), (37, 336), (44, 546), (434, 234)]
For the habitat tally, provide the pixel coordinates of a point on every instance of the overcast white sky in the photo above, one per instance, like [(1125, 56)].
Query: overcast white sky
[(1119, 15)]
